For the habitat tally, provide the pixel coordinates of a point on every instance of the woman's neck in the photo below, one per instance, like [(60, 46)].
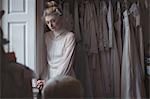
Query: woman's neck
[(58, 32)]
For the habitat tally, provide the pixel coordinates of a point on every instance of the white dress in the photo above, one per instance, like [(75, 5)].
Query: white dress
[(60, 52)]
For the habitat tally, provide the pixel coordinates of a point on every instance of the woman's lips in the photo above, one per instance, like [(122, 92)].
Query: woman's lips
[(53, 28)]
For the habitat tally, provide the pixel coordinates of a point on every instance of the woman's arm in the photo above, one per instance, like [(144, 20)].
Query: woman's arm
[(68, 56)]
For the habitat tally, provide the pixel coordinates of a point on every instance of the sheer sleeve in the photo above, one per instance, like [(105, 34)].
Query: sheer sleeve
[(68, 57)]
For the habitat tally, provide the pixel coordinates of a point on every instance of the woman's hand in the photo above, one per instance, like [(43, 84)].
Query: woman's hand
[(40, 84)]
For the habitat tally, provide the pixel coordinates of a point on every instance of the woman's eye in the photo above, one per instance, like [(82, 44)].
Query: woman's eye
[(53, 20), (47, 22)]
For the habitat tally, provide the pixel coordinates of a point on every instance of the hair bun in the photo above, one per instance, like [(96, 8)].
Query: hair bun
[(52, 8), (51, 4)]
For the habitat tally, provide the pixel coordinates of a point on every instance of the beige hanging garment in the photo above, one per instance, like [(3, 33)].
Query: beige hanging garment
[(118, 32), (132, 81), (114, 61), (76, 21)]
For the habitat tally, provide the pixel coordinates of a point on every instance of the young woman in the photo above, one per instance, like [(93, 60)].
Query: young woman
[(59, 42)]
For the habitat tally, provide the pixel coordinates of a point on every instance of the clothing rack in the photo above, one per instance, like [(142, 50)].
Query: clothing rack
[(125, 5)]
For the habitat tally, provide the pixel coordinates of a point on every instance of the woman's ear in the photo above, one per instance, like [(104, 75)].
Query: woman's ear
[(1, 13)]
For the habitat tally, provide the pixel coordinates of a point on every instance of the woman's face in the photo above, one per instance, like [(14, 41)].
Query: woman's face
[(54, 22)]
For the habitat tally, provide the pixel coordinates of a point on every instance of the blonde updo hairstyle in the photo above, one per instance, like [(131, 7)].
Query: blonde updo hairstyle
[(52, 9)]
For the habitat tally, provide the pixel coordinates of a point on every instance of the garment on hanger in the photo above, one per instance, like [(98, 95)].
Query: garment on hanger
[(118, 31), (132, 79), (118, 48), (76, 21), (89, 27), (81, 57), (115, 63), (135, 10), (68, 16), (102, 33)]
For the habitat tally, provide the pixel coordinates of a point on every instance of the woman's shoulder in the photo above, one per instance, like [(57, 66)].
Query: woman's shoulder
[(70, 34), (70, 37), (47, 34)]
